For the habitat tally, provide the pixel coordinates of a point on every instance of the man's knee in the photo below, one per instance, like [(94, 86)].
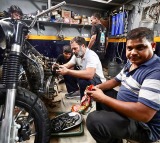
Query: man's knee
[(94, 120), (83, 82), (91, 120), (80, 81)]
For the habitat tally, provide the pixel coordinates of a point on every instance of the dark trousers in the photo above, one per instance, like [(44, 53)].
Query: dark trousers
[(83, 83), (108, 126), (71, 83)]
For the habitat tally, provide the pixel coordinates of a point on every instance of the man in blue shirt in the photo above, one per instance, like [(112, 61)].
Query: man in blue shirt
[(135, 112)]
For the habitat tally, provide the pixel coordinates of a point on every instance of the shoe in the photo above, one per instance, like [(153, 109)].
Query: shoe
[(65, 121), (85, 105), (72, 95)]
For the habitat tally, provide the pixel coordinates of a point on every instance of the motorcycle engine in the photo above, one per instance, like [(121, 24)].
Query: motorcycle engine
[(40, 76)]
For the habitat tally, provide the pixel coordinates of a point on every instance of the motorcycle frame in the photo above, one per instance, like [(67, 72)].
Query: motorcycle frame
[(8, 132)]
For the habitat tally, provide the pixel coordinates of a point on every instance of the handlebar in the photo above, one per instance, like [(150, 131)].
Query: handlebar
[(44, 12)]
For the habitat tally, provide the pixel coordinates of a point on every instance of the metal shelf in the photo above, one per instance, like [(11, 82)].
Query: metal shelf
[(48, 23)]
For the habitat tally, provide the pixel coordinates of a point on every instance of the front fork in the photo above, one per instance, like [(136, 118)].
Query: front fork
[(8, 131), (7, 136)]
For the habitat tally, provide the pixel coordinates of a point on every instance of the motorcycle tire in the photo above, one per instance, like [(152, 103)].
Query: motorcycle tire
[(39, 114)]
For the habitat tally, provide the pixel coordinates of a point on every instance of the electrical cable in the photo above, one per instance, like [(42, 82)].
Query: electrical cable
[(118, 53), (122, 51), (147, 2), (153, 11)]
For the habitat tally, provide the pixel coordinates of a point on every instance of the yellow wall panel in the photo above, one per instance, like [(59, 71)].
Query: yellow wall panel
[(42, 37)]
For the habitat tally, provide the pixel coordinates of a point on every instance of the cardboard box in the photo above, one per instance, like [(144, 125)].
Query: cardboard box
[(66, 20), (84, 19), (73, 21), (55, 12), (66, 14)]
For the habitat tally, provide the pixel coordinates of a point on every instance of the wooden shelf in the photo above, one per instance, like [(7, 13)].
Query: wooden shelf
[(112, 40), (44, 37)]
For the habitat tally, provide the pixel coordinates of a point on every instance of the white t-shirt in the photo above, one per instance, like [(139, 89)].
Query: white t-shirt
[(90, 59)]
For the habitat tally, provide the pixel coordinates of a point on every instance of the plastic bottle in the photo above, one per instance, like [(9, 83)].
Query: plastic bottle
[(102, 38), (113, 25)]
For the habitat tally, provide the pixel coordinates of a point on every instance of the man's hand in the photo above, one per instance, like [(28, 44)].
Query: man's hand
[(62, 70), (55, 66), (97, 94)]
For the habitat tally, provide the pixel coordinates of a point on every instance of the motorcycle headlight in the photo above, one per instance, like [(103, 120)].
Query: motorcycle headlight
[(2, 39), (6, 33)]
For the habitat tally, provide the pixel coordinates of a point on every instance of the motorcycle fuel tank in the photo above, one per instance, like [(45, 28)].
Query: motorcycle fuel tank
[(6, 30)]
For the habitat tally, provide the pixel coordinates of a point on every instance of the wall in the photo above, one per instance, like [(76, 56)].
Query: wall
[(136, 15), (50, 48), (29, 7)]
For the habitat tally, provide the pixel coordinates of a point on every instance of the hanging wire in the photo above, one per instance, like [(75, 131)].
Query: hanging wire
[(147, 2), (122, 51), (153, 11), (119, 57)]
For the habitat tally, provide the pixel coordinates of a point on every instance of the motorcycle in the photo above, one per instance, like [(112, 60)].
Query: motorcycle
[(37, 74), (23, 115)]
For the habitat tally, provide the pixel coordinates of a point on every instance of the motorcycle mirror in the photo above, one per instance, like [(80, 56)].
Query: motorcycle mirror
[(44, 12)]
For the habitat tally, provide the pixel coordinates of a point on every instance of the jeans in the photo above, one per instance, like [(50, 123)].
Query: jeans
[(107, 126), (83, 83), (71, 83)]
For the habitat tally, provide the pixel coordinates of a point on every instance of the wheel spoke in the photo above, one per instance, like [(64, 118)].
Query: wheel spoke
[(22, 117), (28, 118), (19, 113), (33, 134)]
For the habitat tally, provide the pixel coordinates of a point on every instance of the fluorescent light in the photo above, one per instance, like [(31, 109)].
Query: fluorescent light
[(102, 1)]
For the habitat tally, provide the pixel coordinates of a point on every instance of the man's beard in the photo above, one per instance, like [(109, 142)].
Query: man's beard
[(79, 54)]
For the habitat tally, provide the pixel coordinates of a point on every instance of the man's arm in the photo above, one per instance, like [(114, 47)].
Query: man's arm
[(59, 62), (93, 37), (137, 111), (142, 110), (106, 42), (134, 110), (109, 84), (88, 73), (69, 65), (92, 40)]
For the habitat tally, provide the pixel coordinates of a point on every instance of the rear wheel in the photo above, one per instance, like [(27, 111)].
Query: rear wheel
[(34, 120)]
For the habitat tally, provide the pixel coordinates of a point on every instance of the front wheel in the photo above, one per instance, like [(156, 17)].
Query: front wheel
[(33, 119)]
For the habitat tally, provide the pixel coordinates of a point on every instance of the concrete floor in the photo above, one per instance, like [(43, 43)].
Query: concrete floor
[(64, 105)]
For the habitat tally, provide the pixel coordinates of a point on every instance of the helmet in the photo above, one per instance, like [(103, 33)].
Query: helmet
[(14, 8)]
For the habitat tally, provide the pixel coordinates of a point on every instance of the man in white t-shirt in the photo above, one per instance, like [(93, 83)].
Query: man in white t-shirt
[(90, 68)]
